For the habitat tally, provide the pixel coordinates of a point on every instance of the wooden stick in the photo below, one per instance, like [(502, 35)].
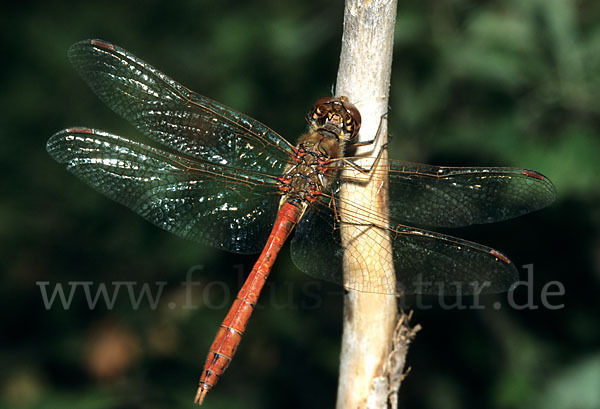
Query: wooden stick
[(375, 340)]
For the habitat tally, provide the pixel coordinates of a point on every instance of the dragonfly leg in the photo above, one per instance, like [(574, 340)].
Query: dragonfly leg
[(371, 141), (332, 204), (355, 165), (361, 169)]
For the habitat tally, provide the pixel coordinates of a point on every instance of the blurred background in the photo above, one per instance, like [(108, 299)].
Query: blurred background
[(505, 83)]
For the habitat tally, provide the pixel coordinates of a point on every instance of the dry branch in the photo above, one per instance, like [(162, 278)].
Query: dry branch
[(375, 338)]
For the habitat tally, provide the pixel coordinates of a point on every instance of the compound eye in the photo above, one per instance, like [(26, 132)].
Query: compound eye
[(324, 101), (319, 111), (354, 120)]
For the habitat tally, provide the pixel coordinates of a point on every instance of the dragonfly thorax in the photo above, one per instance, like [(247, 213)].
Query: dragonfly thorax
[(332, 122), (310, 173)]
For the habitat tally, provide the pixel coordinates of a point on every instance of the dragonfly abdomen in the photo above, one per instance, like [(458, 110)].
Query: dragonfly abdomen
[(230, 333)]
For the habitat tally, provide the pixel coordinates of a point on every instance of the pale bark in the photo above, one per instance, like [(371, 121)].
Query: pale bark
[(375, 338)]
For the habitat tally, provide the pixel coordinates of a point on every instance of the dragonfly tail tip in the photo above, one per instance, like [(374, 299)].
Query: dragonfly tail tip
[(200, 396)]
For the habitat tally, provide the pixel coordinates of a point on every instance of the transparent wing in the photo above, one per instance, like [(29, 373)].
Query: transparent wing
[(173, 115), (217, 205), (452, 197), (424, 262)]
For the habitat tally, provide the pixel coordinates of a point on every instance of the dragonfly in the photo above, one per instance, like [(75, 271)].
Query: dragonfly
[(226, 180)]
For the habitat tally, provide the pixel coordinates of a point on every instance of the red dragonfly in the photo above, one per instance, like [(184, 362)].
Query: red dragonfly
[(228, 181)]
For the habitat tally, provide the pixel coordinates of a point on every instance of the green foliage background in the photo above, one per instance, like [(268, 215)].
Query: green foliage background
[(512, 83)]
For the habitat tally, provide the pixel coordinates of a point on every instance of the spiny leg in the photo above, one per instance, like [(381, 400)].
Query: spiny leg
[(355, 165), (377, 134)]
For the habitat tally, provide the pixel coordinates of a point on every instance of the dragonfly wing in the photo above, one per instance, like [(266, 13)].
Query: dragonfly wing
[(216, 205), (424, 262), (173, 115), (431, 263), (316, 247), (452, 197)]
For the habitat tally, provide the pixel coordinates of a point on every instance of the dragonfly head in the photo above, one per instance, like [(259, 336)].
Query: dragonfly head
[(335, 115)]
